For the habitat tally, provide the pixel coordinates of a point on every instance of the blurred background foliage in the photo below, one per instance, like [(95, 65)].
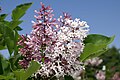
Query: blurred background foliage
[(111, 61)]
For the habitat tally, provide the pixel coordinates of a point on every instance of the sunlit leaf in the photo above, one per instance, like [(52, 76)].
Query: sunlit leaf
[(9, 77), (2, 77), (19, 74), (99, 53), (95, 45), (34, 66), (91, 49), (24, 74), (98, 39), (20, 10), (14, 24)]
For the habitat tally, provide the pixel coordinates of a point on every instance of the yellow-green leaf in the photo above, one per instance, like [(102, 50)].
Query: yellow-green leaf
[(20, 10)]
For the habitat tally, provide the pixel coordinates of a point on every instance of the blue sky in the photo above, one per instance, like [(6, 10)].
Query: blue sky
[(103, 16)]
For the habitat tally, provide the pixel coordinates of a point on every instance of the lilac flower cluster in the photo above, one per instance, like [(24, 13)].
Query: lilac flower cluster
[(56, 44)]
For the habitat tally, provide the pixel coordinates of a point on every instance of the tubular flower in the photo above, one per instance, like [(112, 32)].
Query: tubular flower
[(58, 41)]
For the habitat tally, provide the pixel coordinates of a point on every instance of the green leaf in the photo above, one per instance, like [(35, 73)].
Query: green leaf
[(19, 74), (98, 39), (18, 28), (24, 74), (2, 43), (10, 44), (20, 10), (2, 17), (34, 66), (1, 27), (98, 53), (14, 24), (91, 49), (9, 39), (9, 77), (1, 67), (8, 32), (6, 66), (3, 24), (15, 45), (0, 35), (2, 47), (95, 45), (2, 77)]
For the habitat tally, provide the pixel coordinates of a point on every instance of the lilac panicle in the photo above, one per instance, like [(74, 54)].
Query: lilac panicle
[(42, 37), (58, 41)]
